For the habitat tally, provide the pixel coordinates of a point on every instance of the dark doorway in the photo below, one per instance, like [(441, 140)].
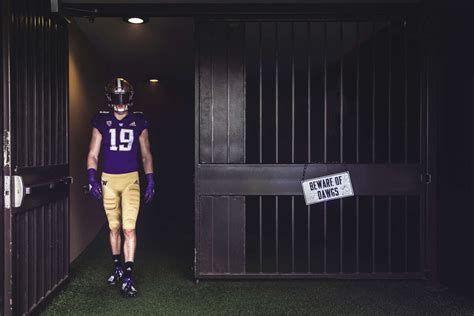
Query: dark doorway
[(161, 48)]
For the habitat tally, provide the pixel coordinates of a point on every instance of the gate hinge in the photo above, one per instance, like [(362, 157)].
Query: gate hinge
[(427, 178), (14, 194)]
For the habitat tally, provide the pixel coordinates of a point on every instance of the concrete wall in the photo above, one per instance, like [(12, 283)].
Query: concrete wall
[(87, 76)]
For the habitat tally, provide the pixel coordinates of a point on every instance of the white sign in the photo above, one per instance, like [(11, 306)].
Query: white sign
[(330, 187)]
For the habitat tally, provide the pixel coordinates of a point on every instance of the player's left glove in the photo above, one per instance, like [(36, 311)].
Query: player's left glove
[(150, 188)]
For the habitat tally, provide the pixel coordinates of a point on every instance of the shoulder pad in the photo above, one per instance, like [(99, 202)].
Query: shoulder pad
[(104, 112)]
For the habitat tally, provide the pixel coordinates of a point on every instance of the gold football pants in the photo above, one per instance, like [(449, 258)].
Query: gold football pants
[(121, 197)]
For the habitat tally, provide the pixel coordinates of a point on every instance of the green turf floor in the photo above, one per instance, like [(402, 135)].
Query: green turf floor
[(164, 279)]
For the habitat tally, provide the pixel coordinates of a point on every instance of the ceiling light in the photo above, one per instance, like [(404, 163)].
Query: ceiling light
[(136, 20), (153, 80)]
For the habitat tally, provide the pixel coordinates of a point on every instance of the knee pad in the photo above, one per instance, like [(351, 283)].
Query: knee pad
[(114, 224)]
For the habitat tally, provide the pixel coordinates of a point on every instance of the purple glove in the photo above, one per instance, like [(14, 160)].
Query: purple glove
[(150, 188), (94, 186)]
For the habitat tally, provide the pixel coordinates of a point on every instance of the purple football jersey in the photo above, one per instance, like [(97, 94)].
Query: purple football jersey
[(120, 143)]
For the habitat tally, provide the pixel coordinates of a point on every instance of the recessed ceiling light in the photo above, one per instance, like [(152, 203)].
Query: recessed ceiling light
[(136, 20), (153, 80)]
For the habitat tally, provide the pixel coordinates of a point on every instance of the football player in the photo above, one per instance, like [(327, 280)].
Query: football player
[(118, 135)]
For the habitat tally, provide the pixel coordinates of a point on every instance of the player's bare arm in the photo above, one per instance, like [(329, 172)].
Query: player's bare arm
[(94, 149), (92, 162), (146, 152), (147, 160)]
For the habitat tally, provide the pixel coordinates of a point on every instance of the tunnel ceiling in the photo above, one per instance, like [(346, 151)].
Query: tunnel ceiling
[(163, 47)]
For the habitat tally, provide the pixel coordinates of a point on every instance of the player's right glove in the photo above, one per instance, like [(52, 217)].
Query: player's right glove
[(150, 188), (94, 186)]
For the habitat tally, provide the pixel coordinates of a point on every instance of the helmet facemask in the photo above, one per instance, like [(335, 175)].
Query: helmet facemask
[(119, 92)]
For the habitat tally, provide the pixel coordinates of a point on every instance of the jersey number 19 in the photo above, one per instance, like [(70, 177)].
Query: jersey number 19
[(126, 139)]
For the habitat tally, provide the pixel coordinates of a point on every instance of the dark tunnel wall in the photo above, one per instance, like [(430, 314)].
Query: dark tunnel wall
[(87, 73), (454, 30)]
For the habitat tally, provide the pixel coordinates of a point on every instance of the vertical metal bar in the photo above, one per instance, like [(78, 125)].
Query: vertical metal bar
[(341, 235), (373, 234), (24, 125), (212, 233), (292, 142), (43, 253), (406, 235), (276, 93), (7, 48), (292, 233), (357, 92), (50, 99), (57, 85), (213, 41), (390, 234), (357, 137), (309, 139), (26, 262), (228, 89), (341, 146), (292, 92), (260, 229), (35, 255), (260, 142), (49, 248), (276, 233), (389, 125), (325, 237), (244, 87), (424, 134), (42, 87), (373, 89), (423, 71), (341, 96), (389, 230), (325, 96), (405, 66), (228, 233), (260, 90), (34, 88), (309, 90), (374, 34), (308, 209), (357, 235)]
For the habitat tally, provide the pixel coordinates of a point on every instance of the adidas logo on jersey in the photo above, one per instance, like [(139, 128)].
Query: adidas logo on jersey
[(133, 124)]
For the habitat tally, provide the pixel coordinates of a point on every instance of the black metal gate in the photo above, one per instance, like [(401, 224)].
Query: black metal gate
[(35, 149), (340, 94)]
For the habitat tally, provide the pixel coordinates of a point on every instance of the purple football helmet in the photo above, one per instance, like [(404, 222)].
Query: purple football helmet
[(119, 92)]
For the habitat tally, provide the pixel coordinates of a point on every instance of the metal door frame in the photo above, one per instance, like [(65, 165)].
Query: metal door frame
[(6, 166), (34, 173)]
